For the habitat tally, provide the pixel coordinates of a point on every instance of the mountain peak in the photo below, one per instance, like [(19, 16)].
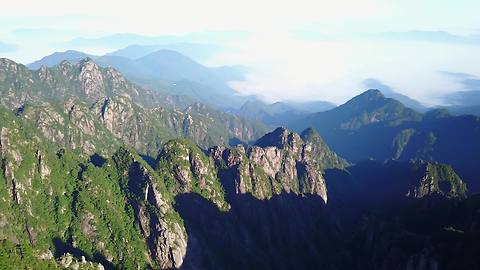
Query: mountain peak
[(57, 58), (65, 63), (87, 61), (372, 98), (167, 55), (8, 64), (371, 94), (277, 138), (437, 113), (309, 134)]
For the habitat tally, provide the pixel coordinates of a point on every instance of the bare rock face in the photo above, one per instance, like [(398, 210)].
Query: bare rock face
[(43, 169), (116, 115), (45, 118), (11, 158), (91, 79), (67, 261), (278, 162)]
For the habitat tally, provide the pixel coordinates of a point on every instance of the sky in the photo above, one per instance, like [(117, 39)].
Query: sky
[(296, 50)]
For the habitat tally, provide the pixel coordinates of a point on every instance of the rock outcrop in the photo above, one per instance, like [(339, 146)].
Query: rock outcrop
[(436, 179), (279, 162)]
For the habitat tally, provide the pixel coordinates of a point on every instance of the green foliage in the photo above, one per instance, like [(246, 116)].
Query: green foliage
[(446, 181), (21, 257), (181, 158)]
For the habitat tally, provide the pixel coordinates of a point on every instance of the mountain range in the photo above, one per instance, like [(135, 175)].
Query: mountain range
[(166, 71), (101, 172)]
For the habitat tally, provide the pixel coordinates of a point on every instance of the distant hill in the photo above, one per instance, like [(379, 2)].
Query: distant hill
[(367, 108), (311, 106), (463, 110), (280, 113), (371, 126), (57, 57), (198, 52)]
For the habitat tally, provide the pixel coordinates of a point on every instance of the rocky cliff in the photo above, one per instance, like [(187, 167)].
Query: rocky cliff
[(279, 162)]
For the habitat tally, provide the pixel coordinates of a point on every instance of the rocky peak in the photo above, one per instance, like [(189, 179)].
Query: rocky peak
[(310, 135), (280, 137), (91, 78), (8, 65), (65, 65), (45, 74), (371, 94), (280, 162)]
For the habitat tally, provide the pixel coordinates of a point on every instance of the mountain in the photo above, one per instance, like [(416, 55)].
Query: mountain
[(58, 57), (84, 79), (371, 126), (168, 72), (463, 110), (197, 51), (465, 102), (273, 114), (175, 73), (311, 106), (365, 109), (79, 104), (390, 93), (279, 113), (464, 98)]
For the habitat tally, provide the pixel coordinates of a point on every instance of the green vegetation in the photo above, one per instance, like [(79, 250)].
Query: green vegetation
[(185, 168)]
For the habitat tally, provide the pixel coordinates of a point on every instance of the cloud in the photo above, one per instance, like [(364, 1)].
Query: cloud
[(468, 81), (414, 35), (469, 92), (285, 68)]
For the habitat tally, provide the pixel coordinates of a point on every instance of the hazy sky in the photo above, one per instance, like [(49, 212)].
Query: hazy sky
[(296, 49)]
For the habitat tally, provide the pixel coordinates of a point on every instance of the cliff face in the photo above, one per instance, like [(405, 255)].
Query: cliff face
[(278, 162), (159, 224)]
